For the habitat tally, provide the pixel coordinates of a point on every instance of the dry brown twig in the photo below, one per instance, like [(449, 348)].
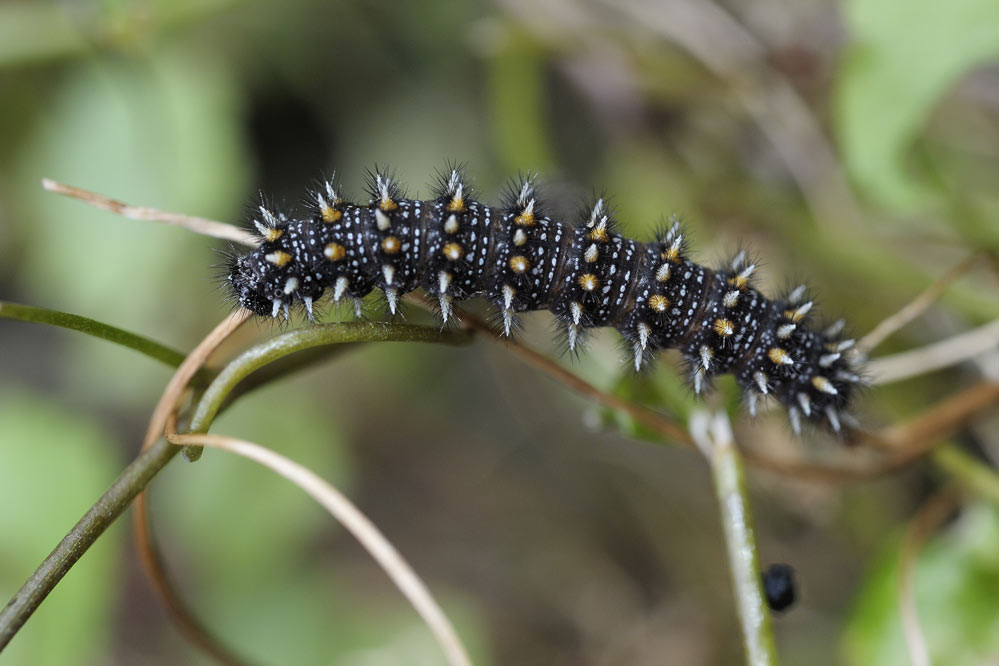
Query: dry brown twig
[(198, 225), (936, 356)]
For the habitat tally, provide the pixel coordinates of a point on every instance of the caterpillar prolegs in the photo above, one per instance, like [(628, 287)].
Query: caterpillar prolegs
[(586, 274)]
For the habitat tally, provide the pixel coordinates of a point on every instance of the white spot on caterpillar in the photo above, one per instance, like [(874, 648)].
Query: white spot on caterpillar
[(291, 285), (795, 418), (833, 418), (706, 355), (340, 287), (278, 258), (388, 271), (451, 226), (806, 403), (844, 345), (835, 328), (828, 359), (761, 382), (699, 381), (785, 331), (382, 220), (644, 330), (596, 213), (392, 296), (508, 294), (824, 385), (577, 312), (269, 219), (445, 300)]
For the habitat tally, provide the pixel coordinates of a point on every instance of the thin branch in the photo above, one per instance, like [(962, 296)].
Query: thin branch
[(111, 504), (713, 436), (936, 356), (199, 225), (343, 510), (930, 516), (916, 306), (150, 348)]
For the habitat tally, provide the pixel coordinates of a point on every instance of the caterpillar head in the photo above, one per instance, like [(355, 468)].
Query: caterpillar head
[(246, 283)]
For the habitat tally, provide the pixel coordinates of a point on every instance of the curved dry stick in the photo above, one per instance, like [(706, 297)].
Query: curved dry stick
[(199, 225), (916, 306), (935, 356), (343, 510)]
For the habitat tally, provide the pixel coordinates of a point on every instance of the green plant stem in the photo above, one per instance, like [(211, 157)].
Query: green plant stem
[(37, 315), (148, 463), (93, 523), (740, 537), (281, 346), (969, 472)]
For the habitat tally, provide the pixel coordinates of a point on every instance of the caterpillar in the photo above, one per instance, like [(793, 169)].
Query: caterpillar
[(586, 274)]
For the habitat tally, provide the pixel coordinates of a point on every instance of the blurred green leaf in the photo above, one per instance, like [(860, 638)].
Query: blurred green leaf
[(55, 463), (160, 132), (957, 585), (904, 56)]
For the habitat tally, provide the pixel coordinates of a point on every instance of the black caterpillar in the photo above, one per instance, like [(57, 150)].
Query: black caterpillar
[(587, 275)]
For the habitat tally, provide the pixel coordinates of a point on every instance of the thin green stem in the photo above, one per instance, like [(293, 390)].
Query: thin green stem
[(970, 473), (93, 523), (137, 475), (713, 436), (37, 315), (281, 346)]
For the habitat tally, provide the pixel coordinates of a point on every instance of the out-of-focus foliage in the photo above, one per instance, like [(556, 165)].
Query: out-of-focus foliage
[(957, 584), (903, 57), (850, 144), (56, 461)]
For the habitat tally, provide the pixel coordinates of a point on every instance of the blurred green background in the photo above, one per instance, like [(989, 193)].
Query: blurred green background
[(854, 144)]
